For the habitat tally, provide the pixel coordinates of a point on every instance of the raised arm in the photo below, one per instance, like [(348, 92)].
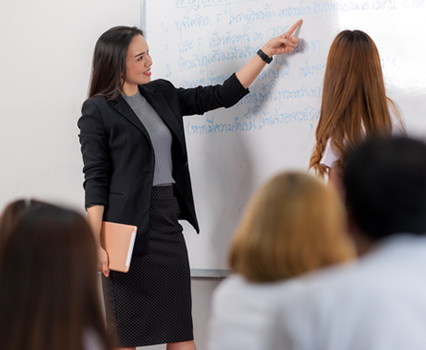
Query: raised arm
[(277, 46)]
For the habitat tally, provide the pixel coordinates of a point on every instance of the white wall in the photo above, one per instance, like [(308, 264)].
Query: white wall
[(45, 61)]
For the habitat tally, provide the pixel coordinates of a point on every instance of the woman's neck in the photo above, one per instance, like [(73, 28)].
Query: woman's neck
[(130, 89)]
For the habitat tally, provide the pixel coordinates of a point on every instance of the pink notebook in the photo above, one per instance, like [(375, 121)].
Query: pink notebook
[(118, 240)]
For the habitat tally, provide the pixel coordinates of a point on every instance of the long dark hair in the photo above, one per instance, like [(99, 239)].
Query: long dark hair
[(354, 103), (109, 61), (49, 296), (10, 216)]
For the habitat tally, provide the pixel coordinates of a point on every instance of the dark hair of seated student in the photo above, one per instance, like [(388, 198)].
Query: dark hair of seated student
[(385, 183), (49, 296), (10, 216)]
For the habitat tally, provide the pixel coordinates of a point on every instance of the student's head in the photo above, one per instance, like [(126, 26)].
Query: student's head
[(109, 61), (10, 216), (353, 67), (385, 183), (292, 225), (354, 103), (49, 294)]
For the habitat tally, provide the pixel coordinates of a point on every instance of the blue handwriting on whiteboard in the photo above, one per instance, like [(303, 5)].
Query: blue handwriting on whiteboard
[(209, 125), (197, 21), (227, 39), (269, 92), (303, 92), (196, 4), (309, 114), (254, 120), (207, 3), (296, 10), (249, 16), (201, 60), (238, 52), (414, 3), (313, 47), (321, 6), (311, 69)]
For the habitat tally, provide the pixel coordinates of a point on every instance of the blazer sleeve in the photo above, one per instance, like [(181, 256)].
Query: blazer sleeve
[(202, 99), (94, 148)]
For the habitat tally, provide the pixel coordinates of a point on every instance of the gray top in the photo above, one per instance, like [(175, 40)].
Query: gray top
[(160, 135)]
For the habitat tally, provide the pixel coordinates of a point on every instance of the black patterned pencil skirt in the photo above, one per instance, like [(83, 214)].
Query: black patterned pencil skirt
[(151, 304)]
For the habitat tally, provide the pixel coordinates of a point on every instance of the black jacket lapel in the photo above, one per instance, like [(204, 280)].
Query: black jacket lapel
[(123, 107)]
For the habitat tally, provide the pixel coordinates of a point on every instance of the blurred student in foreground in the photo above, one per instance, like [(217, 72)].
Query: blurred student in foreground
[(49, 298), (293, 225), (10, 216), (379, 303)]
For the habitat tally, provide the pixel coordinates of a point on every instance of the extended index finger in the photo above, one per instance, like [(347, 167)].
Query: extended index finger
[(294, 27)]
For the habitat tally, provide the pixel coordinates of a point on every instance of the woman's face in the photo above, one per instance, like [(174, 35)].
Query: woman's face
[(138, 62)]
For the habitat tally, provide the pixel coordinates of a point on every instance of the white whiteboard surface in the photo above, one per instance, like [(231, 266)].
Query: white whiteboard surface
[(231, 152), (45, 61)]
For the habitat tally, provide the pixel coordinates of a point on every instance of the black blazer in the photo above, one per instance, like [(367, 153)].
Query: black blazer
[(118, 155)]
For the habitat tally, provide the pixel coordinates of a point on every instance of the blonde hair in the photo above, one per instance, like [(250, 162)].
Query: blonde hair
[(354, 103), (292, 225)]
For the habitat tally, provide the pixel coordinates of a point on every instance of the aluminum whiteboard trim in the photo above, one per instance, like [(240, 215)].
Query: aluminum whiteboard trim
[(209, 273)]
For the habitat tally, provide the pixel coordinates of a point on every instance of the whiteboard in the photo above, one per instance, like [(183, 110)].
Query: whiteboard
[(233, 151)]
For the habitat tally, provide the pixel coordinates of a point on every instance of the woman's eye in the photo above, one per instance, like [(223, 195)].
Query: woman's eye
[(140, 58)]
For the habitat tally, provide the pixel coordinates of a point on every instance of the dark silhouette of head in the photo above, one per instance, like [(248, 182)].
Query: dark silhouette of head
[(385, 183), (49, 296)]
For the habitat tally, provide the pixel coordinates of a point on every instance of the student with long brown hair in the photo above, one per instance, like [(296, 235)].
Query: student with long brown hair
[(49, 296), (293, 225), (354, 103)]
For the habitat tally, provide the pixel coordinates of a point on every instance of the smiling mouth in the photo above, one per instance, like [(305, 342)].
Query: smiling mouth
[(148, 73)]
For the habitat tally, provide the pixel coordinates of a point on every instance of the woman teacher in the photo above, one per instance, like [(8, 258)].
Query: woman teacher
[(136, 172)]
